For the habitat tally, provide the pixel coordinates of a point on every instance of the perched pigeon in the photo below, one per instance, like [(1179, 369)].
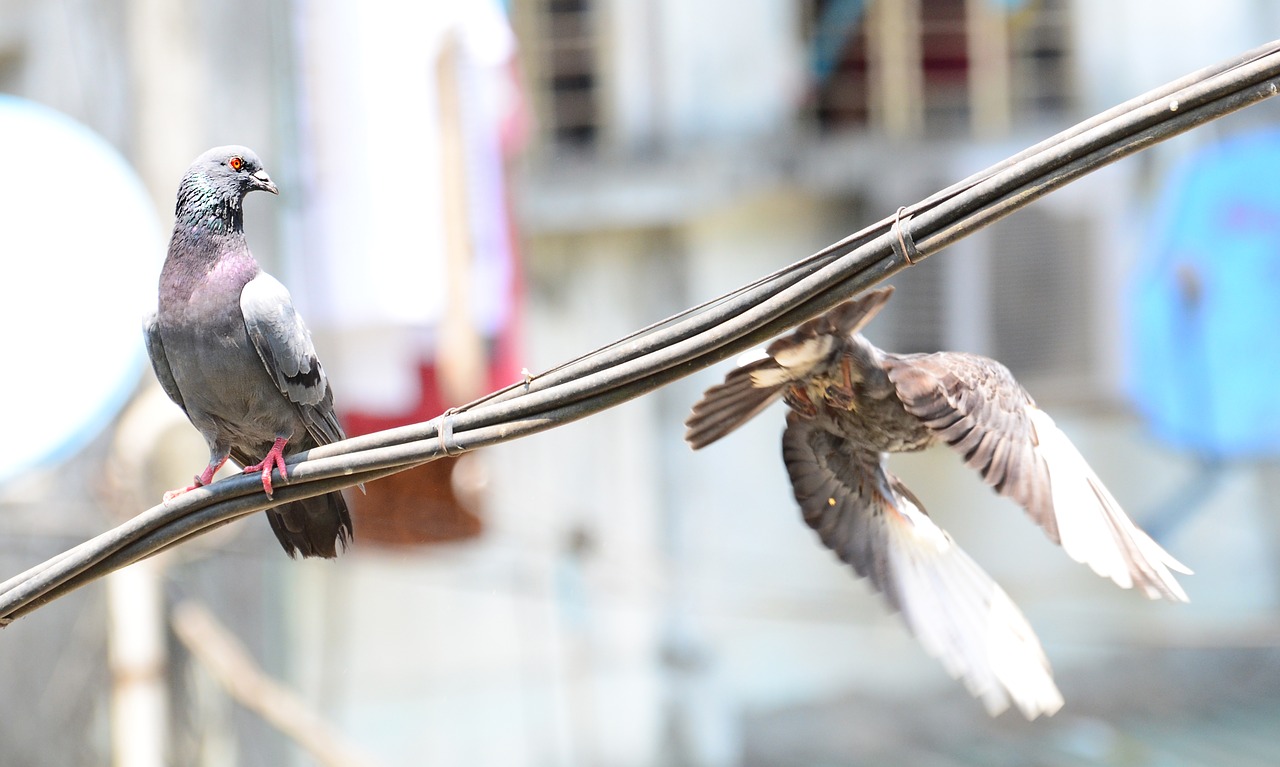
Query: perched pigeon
[(229, 348), (852, 404)]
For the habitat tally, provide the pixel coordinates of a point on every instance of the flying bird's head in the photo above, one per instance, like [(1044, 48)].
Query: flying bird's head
[(214, 187)]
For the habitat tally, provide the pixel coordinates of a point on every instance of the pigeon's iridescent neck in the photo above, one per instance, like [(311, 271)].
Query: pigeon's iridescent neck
[(205, 206), (208, 231)]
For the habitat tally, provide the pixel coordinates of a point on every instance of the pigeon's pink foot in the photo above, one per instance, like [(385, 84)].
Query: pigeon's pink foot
[(170, 495), (205, 478), (273, 460)]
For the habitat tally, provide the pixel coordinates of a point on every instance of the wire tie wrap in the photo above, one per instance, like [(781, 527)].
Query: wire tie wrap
[(904, 246), (448, 445)]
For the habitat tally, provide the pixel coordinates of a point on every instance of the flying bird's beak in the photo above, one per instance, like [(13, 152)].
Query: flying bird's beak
[(262, 181)]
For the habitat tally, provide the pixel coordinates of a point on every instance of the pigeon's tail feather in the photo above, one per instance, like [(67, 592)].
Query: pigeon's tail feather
[(313, 527)]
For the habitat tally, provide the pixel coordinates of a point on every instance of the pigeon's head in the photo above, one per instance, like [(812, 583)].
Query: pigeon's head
[(212, 192), (232, 170)]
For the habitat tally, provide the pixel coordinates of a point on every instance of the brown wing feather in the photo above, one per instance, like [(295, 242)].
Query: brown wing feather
[(726, 406), (842, 491), (974, 404), (959, 614)]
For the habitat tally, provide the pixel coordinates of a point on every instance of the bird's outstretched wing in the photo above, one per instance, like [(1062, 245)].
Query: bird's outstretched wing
[(755, 384), (160, 362), (975, 405), (726, 406), (959, 614), (284, 345)]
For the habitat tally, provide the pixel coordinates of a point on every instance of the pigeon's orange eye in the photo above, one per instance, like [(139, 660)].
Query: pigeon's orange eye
[(236, 163)]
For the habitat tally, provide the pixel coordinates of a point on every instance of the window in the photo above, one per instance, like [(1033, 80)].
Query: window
[(561, 57), (936, 67), (1040, 49)]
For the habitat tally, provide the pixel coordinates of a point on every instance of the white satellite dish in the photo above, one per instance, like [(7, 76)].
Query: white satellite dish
[(80, 248)]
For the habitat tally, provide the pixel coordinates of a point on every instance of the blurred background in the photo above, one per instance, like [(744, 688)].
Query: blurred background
[(469, 189)]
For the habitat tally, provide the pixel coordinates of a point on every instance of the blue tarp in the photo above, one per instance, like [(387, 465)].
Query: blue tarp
[(1205, 312)]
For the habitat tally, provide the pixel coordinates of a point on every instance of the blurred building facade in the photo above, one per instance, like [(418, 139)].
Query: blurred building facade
[(630, 602)]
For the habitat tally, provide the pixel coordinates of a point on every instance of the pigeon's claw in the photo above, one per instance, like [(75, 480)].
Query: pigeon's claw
[(273, 460), (171, 494), (204, 478)]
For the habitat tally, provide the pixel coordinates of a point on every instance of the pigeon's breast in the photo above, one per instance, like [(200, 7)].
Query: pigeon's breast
[(224, 384)]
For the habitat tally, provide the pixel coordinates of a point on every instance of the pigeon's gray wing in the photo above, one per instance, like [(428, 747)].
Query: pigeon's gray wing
[(284, 345), (755, 384), (282, 340), (312, 527), (959, 614), (160, 362), (974, 404)]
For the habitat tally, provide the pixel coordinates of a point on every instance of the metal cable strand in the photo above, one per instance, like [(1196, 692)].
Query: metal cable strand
[(687, 342)]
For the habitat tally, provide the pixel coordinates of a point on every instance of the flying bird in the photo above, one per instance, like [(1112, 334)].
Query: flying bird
[(229, 349), (851, 404)]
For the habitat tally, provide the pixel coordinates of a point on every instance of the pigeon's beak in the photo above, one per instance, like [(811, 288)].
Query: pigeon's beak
[(262, 181)]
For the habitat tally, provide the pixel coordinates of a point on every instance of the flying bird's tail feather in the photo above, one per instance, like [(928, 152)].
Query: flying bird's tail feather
[(313, 527)]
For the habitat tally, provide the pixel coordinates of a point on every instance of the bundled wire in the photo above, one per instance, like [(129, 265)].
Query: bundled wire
[(687, 342)]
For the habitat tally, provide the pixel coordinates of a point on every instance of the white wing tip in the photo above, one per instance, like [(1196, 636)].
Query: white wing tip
[(964, 619), (1092, 527)]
